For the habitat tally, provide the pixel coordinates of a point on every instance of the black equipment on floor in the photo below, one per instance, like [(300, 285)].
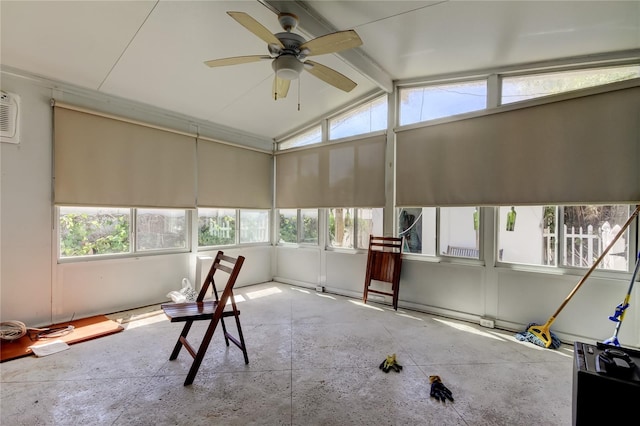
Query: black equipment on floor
[(605, 378)]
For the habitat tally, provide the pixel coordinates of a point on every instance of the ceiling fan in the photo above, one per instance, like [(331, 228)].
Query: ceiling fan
[(288, 52)]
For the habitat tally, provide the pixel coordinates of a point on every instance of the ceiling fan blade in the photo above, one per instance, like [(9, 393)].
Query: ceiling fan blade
[(256, 27), (332, 43), (330, 76), (280, 88), (235, 60)]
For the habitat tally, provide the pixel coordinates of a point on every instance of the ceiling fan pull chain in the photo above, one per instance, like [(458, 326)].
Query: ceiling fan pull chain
[(298, 93), (275, 82)]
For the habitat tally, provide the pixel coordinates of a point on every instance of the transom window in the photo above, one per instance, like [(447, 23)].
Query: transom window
[(519, 88), (366, 118), (308, 137), (425, 103)]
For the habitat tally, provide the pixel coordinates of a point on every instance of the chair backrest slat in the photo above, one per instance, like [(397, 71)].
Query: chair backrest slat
[(224, 268), (231, 266)]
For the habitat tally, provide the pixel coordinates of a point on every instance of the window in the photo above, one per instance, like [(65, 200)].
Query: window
[(220, 227), (419, 104), (87, 231), (216, 227), (588, 230), (350, 228), (308, 137), (459, 232), (366, 118), (369, 222), (528, 235), (537, 85), (93, 231), (288, 225), (418, 227), (568, 236), (309, 226), (254, 226), (456, 228), (158, 229), (299, 226)]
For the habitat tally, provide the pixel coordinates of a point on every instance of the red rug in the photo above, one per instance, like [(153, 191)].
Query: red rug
[(84, 329)]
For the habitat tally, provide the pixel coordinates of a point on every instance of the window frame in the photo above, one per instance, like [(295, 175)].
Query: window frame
[(299, 229), (439, 255), (356, 230), (136, 237), (353, 108), (238, 230), (283, 145), (441, 83), (132, 233), (561, 251), (538, 73), (323, 125)]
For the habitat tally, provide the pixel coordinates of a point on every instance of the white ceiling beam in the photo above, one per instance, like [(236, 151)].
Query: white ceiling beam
[(315, 25)]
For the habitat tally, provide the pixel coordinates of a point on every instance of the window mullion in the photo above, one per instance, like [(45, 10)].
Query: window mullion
[(133, 228), (238, 227)]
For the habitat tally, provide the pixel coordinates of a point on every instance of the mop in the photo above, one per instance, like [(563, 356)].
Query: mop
[(540, 334), (618, 316)]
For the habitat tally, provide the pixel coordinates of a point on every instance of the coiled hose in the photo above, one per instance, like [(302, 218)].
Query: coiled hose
[(14, 330)]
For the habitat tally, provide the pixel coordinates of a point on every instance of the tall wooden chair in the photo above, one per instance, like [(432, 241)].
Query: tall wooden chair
[(384, 262), (213, 311)]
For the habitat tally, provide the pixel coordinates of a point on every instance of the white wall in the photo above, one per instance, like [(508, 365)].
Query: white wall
[(25, 210), (34, 288), (469, 290)]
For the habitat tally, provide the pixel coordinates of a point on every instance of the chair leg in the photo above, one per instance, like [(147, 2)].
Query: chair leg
[(202, 350), (396, 287), (239, 341), (224, 331), (178, 346), (241, 336)]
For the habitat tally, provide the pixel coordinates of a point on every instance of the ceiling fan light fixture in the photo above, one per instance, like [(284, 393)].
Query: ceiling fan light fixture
[(287, 67), (288, 21)]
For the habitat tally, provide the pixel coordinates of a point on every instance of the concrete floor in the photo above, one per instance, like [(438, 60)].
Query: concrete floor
[(313, 360)]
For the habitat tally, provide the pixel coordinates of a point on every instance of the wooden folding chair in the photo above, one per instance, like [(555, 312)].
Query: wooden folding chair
[(384, 262), (208, 310)]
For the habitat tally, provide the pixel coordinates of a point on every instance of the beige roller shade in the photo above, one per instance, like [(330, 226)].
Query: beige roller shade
[(347, 174), (231, 176), (104, 161), (579, 150)]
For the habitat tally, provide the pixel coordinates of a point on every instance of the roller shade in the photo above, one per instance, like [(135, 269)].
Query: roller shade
[(231, 176), (579, 150), (346, 174), (103, 161)]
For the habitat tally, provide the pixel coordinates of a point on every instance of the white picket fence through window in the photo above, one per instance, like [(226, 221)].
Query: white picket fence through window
[(582, 247)]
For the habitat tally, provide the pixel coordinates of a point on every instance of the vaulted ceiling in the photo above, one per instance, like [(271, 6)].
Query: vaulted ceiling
[(152, 52)]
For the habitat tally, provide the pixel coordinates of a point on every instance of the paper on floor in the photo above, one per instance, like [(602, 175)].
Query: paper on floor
[(49, 348)]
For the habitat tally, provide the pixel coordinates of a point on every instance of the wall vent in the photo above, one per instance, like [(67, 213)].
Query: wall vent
[(9, 118)]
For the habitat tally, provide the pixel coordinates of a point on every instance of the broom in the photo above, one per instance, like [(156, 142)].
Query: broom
[(540, 334)]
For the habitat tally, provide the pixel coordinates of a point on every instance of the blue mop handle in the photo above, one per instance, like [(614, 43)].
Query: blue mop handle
[(618, 316)]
